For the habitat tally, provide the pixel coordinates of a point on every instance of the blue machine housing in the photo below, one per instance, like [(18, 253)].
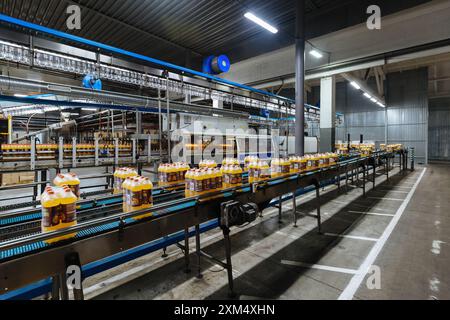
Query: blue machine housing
[(92, 82), (216, 64)]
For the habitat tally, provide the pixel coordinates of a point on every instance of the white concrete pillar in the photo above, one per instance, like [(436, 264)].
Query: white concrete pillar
[(327, 114)]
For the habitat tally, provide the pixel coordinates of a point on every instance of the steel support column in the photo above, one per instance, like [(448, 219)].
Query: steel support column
[(300, 79)]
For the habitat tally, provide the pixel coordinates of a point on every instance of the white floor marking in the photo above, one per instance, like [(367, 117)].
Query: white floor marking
[(382, 198), (372, 213), (319, 267), (351, 237), (386, 188), (358, 278), (394, 191), (434, 284), (436, 247)]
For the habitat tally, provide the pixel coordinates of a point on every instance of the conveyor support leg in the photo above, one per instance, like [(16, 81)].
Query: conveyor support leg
[(319, 220), (186, 251), (294, 208), (198, 251), (280, 209), (229, 267)]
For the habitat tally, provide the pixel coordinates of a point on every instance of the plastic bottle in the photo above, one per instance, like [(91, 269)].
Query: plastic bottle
[(50, 210), (58, 211), (264, 169), (69, 179), (238, 173), (135, 190), (68, 207), (219, 180), (198, 183), (211, 179), (204, 180), (303, 164), (126, 195), (117, 181), (146, 199)]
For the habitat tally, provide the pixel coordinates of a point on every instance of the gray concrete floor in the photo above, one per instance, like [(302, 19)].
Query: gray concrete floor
[(278, 261)]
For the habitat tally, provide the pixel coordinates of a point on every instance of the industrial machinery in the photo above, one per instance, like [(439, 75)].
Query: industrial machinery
[(33, 156)]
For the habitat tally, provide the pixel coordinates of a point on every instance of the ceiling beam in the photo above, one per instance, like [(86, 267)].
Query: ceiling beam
[(133, 28)]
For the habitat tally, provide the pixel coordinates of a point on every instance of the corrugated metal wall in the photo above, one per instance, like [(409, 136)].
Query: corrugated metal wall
[(407, 98), (407, 113), (439, 130)]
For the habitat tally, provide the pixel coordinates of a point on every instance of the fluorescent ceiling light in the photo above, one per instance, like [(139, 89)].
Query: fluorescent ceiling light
[(355, 85), (381, 105), (368, 96), (374, 100), (316, 54), (18, 95), (260, 22), (89, 109)]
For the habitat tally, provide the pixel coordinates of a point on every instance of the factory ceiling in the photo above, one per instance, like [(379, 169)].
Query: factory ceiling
[(185, 31)]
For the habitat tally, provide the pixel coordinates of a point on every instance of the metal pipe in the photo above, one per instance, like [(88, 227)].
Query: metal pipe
[(10, 83), (168, 122), (300, 79), (55, 126), (159, 124)]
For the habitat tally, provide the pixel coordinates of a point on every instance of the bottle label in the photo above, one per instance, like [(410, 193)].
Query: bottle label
[(147, 197), (135, 198), (76, 190), (50, 216), (68, 213), (198, 186)]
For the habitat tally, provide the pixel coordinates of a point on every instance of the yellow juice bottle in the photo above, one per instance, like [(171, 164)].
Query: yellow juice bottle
[(226, 175), (187, 183), (126, 195), (69, 179), (275, 169), (264, 170), (50, 203), (146, 195), (117, 186), (218, 177), (253, 172), (205, 180), (135, 190), (211, 179), (303, 164), (58, 211), (238, 173), (233, 175)]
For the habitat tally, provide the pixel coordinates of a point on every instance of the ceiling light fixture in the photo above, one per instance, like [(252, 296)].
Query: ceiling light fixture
[(316, 54), (368, 96), (260, 22), (355, 85)]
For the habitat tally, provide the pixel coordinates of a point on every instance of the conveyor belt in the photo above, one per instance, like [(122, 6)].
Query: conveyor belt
[(167, 218), (32, 217), (96, 230), (30, 223)]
